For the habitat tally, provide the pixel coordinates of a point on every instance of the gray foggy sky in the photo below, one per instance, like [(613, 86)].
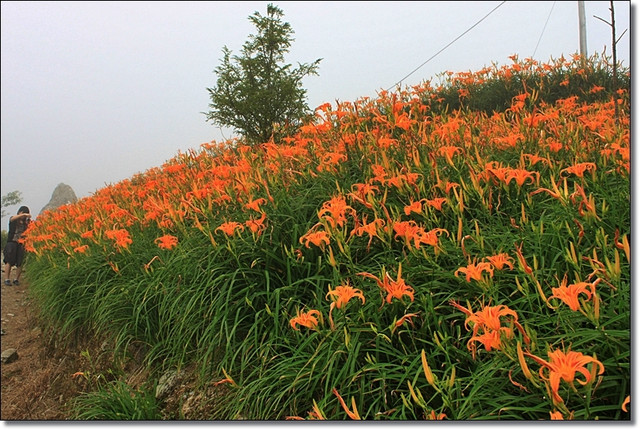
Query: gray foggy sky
[(95, 92)]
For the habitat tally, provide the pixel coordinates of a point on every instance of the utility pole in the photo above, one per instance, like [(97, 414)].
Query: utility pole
[(583, 30)]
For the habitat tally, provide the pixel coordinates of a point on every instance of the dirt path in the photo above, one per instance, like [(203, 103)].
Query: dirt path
[(38, 384)]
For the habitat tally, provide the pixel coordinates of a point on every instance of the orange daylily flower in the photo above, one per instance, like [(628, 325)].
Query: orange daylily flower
[(563, 366), (555, 415), (255, 204), (167, 241), (411, 177), (489, 339), (256, 225), (408, 230), (369, 228), (500, 260), (433, 417), (87, 234), (412, 232), (436, 203), (319, 238), (431, 237), (386, 142), (520, 176), (379, 173), (413, 207), (474, 271), (343, 293), (489, 321), (120, 236), (396, 181), (508, 141), (447, 186), (579, 169), (307, 319), (534, 159), (330, 160), (337, 209), (494, 172), (554, 145), (81, 249), (405, 318), (489, 317), (230, 227), (518, 101), (569, 293), (463, 92), (404, 122), (362, 192), (395, 289)]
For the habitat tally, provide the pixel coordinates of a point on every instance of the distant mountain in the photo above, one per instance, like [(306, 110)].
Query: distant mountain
[(62, 195)]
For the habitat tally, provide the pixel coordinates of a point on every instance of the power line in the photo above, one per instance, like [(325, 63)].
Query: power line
[(450, 43), (543, 29)]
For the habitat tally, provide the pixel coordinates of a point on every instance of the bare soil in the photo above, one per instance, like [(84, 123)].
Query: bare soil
[(38, 384)]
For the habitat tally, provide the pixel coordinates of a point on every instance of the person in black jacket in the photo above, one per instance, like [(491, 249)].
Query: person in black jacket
[(14, 249)]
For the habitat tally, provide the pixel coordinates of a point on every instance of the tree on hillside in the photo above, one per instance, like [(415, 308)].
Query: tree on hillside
[(256, 94), (10, 199)]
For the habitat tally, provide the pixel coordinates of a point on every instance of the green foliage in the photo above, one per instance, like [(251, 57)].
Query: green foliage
[(492, 90), (117, 401), (256, 94), (11, 199), (224, 299)]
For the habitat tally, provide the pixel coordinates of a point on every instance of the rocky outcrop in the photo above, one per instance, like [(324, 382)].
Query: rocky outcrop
[(62, 195), (167, 382), (9, 356)]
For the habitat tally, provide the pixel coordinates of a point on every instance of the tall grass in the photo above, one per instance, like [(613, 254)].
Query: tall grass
[(394, 260), (116, 402)]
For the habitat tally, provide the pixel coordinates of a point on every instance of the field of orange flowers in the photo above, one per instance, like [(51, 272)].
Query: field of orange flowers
[(406, 257)]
